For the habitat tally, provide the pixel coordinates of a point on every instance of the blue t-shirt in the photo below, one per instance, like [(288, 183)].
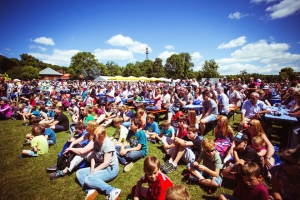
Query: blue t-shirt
[(86, 141), (51, 134), (152, 127), (169, 132), (36, 113), (138, 138)]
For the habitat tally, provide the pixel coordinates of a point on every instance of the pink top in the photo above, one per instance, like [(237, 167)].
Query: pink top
[(6, 110)]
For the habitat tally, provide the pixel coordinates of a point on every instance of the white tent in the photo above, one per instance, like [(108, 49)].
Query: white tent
[(101, 78)]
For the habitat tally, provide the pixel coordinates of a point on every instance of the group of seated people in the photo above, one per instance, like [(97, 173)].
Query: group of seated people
[(249, 152)]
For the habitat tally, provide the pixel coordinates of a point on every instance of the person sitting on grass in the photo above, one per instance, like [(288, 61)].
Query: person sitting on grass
[(158, 183), (141, 114), (177, 192), (76, 152), (135, 147), (209, 172), (249, 183), (127, 115), (39, 144), (167, 131), (61, 121), (181, 134), (48, 133), (120, 133), (108, 120), (151, 129), (258, 144), (5, 109), (187, 150), (87, 113), (104, 168)]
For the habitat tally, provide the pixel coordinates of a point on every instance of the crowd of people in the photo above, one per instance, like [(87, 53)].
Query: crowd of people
[(130, 107)]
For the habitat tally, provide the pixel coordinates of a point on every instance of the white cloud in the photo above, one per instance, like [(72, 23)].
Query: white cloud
[(284, 9), (298, 42), (233, 43), (59, 57), (134, 46), (196, 57), (236, 15), (32, 46), (7, 49), (42, 48), (164, 55), (113, 54), (273, 57), (169, 47), (44, 40)]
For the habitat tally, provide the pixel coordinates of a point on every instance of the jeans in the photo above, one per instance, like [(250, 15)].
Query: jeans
[(98, 179), (130, 156)]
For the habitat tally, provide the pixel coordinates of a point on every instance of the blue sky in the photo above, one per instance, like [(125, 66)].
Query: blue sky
[(259, 36)]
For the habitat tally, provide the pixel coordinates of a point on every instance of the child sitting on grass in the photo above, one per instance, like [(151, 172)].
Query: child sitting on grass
[(121, 131), (167, 131), (258, 144), (177, 192), (209, 172), (249, 183), (151, 128), (39, 144), (135, 147), (158, 183)]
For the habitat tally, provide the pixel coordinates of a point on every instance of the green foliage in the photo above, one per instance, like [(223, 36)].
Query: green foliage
[(287, 73), (29, 73), (174, 67), (158, 69), (113, 69), (131, 70), (7, 64), (15, 72), (85, 64), (210, 69)]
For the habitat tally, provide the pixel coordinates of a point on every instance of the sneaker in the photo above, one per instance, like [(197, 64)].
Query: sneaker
[(152, 141), (57, 174), (128, 167), (166, 165), (52, 169), (26, 144), (25, 124), (91, 195), (170, 169), (114, 195)]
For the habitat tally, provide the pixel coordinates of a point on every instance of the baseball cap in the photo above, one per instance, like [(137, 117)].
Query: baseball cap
[(240, 137)]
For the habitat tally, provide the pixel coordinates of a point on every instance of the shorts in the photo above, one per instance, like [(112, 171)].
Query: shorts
[(189, 156), (211, 118), (32, 153), (218, 180)]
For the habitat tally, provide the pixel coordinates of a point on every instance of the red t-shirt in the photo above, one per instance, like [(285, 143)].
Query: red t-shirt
[(182, 132), (243, 192), (157, 189), (32, 102)]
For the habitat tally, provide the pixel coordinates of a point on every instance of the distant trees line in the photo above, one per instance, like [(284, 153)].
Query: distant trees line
[(85, 65)]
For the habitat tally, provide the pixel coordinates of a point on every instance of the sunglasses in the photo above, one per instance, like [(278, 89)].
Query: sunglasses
[(249, 124), (209, 151)]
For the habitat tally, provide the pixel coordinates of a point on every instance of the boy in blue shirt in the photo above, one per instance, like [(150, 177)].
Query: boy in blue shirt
[(151, 128), (135, 147), (48, 133)]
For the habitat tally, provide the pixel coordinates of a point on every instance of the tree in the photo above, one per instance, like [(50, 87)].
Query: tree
[(131, 70), (187, 64), (147, 68), (29, 72), (287, 73), (174, 67), (158, 68), (28, 60), (84, 64), (113, 69), (210, 69), (7, 64)]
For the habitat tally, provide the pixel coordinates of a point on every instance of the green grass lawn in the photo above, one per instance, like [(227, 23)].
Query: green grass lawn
[(27, 178)]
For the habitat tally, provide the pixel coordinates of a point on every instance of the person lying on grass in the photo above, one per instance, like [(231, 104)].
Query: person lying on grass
[(188, 150), (209, 172), (135, 147), (104, 168), (39, 144), (76, 153), (158, 183)]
